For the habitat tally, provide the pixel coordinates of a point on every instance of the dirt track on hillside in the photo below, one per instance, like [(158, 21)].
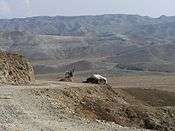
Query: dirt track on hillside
[(22, 110)]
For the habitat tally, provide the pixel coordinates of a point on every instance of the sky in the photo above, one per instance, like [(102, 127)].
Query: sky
[(28, 8)]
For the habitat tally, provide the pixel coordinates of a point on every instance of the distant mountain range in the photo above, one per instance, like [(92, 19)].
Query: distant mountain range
[(129, 42)]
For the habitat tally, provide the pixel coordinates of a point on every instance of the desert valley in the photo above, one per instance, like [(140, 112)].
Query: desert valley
[(135, 53)]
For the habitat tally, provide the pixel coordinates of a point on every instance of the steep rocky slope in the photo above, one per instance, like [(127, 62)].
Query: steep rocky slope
[(15, 69)]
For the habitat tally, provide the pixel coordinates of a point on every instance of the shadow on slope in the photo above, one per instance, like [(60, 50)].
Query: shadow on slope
[(153, 97), (106, 104)]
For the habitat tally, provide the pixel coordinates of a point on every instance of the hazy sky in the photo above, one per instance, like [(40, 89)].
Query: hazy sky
[(25, 8)]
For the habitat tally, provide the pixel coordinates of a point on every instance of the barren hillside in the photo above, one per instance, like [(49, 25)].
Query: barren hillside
[(127, 42)]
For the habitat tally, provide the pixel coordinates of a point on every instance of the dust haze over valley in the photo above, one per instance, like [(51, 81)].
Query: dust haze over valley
[(107, 42), (135, 53)]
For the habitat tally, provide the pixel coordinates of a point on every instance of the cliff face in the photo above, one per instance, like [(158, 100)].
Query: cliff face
[(15, 69)]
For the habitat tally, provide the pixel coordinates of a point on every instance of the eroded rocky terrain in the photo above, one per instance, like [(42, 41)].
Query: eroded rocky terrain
[(51, 105), (110, 45), (127, 42), (15, 69), (48, 106)]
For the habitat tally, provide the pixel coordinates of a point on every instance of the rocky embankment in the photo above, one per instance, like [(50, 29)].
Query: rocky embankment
[(51, 105), (55, 106), (15, 69)]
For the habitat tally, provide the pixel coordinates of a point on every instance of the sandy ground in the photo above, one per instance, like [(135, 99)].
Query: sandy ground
[(161, 82), (20, 110)]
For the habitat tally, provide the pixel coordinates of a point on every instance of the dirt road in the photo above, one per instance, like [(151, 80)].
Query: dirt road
[(21, 110)]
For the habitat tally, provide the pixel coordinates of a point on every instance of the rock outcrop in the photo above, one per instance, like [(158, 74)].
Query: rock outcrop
[(15, 69)]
